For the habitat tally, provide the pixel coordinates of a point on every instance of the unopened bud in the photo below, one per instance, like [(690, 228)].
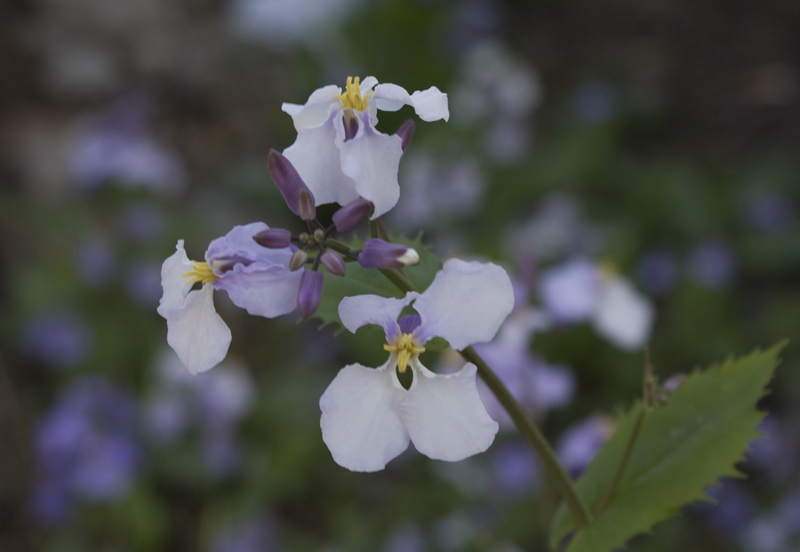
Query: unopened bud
[(380, 254), (309, 293), (298, 260), (274, 238), (406, 132), (352, 214), (305, 205), (289, 183), (333, 262)]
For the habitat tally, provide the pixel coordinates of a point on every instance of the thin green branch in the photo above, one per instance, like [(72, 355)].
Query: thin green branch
[(373, 229), (609, 494), (532, 434)]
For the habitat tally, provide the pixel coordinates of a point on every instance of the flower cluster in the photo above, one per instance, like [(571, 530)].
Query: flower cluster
[(368, 416)]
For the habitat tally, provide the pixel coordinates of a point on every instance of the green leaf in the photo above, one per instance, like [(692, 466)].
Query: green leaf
[(684, 446), (361, 281)]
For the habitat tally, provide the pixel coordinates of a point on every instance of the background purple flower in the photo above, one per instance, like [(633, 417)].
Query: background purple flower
[(59, 339), (86, 448), (712, 264), (657, 271)]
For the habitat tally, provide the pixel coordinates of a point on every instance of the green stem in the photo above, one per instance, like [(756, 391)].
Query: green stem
[(622, 465), (373, 229), (532, 434)]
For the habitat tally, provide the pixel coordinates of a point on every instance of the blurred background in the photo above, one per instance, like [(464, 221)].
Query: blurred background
[(654, 145)]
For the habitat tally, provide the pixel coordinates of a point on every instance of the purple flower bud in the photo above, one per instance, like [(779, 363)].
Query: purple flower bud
[(380, 254), (274, 238), (298, 260), (406, 132), (289, 183), (351, 214), (333, 262), (310, 292), (305, 205)]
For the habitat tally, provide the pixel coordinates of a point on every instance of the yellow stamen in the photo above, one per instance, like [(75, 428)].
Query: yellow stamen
[(351, 98), (405, 347), (201, 273)]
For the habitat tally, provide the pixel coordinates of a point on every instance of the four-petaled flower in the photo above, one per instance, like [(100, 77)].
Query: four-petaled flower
[(256, 278), (368, 417), (340, 154)]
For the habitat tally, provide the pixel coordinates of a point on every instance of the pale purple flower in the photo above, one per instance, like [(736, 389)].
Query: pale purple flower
[(86, 448), (115, 146), (732, 508), (368, 418), (516, 469), (581, 441), (406, 538), (142, 283), (537, 386), (712, 264), (143, 221), (257, 534), (94, 261), (257, 279), (768, 212), (59, 339), (581, 290), (657, 271), (340, 154)]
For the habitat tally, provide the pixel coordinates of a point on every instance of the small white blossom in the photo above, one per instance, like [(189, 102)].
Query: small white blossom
[(340, 154), (256, 278), (582, 290), (368, 418)]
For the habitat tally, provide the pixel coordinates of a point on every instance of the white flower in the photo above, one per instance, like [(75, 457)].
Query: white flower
[(256, 278), (582, 290), (340, 154), (368, 418)]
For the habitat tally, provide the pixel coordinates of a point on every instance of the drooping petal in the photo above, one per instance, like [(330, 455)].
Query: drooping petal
[(466, 303), (444, 415), (197, 333), (373, 309), (359, 421), (372, 160), (430, 104), (173, 281), (316, 110), (262, 289), (316, 156), (623, 315)]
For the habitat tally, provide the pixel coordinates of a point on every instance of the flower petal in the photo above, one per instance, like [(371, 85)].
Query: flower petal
[(239, 246), (372, 160), (359, 420), (262, 290), (197, 333), (466, 303), (570, 291), (444, 415), (173, 282), (623, 315), (373, 309), (316, 156), (316, 110), (430, 104)]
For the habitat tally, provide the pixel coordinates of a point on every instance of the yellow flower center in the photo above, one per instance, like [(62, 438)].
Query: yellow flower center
[(607, 270), (201, 273), (405, 346), (351, 99)]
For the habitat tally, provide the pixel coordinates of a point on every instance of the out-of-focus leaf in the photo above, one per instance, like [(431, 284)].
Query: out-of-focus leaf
[(684, 446)]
